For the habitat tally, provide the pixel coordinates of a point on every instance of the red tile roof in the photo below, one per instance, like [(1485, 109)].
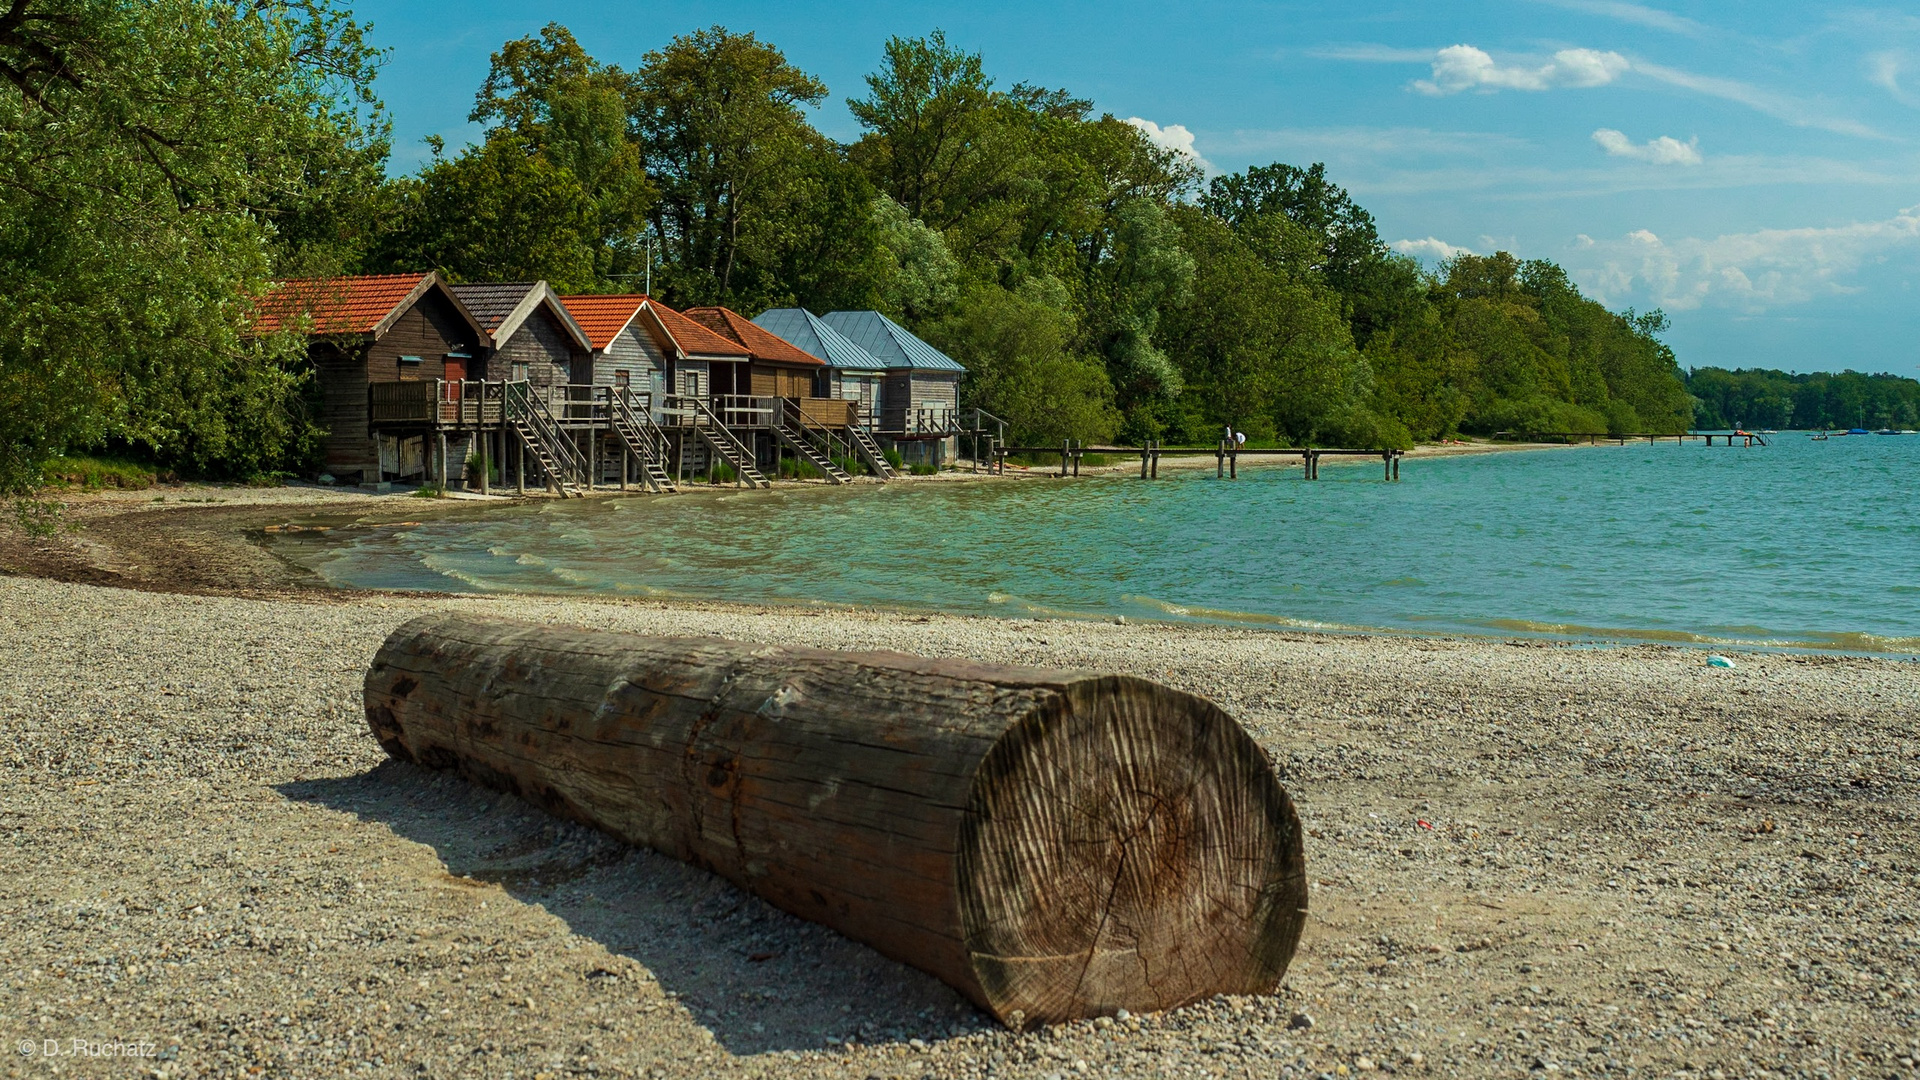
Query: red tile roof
[(693, 337), (348, 305), (603, 317), (761, 344)]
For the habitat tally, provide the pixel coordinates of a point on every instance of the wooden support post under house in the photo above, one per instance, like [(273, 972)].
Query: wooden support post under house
[(1053, 845), (443, 462), (484, 440), (519, 469)]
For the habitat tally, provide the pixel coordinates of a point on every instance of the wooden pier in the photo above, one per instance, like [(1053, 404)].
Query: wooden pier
[(1226, 457)]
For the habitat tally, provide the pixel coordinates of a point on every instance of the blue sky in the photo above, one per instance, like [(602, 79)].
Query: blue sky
[(1752, 168)]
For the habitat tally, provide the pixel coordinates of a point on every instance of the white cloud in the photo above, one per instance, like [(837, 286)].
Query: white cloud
[(1174, 137), (1430, 248), (1463, 67), (1665, 150), (1747, 271)]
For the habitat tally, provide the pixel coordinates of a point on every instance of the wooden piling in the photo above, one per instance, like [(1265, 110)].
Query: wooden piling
[(443, 462), (1156, 460), (1220, 460)]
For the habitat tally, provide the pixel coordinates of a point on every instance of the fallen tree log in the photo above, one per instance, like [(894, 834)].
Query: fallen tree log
[(1052, 844)]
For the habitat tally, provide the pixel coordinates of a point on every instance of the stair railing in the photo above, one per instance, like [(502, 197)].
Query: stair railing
[(523, 405)]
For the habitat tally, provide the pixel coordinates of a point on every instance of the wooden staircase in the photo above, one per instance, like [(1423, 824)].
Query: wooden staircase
[(795, 431), (645, 441), (724, 443), (528, 417), (869, 450)]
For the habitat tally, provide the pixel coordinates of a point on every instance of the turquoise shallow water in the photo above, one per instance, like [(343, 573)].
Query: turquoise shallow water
[(1802, 544)]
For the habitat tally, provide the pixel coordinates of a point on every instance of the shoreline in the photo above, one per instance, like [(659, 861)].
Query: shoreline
[(193, 538)]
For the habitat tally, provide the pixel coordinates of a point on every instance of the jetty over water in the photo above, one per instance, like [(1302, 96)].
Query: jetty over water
[(1226, 455)]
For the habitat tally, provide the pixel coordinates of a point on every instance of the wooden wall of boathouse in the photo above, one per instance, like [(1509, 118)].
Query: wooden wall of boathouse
[(429, 330), (550, 354)]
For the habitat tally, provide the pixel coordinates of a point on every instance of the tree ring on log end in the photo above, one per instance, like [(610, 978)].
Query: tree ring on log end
[(1127, 846)]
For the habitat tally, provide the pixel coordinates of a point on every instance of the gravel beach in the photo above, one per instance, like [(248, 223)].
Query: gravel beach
[(1527, 858)]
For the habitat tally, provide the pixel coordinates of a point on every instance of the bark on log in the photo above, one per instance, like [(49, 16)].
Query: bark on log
[(1052, 844)]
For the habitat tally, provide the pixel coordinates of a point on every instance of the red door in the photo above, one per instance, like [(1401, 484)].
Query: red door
[(456, 372)]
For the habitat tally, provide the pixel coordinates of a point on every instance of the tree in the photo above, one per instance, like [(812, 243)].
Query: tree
[(926, 111), (498, 213), (555, 190), (1018, 350), (150, 151), (719, 120)]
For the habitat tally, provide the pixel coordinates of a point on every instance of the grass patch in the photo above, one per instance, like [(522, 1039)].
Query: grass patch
[(798, 469), (721, 473), (922, 469), (429, 491), (97, 473)]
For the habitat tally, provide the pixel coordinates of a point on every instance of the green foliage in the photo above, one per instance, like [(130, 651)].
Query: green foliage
[(1022, 365), (923, 468), (798, 469), (96, 473), (556, 189), (153, 153), (429, 491), (721, 473), (1759, 398), (894, 459), (478, 464)]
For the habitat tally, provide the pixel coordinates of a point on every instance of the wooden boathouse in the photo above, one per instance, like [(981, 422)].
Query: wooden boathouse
[(417, 378), (919, 408), (409, 331)]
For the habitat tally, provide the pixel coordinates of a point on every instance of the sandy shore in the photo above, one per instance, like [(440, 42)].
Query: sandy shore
[(1631, 864)]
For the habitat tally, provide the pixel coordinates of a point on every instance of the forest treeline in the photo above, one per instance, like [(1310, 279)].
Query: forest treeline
[(170, 159), (1759, 398)]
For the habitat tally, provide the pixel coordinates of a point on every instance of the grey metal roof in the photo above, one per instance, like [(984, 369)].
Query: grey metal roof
[(805, 329), (889, 341), (491, 302), (501, 308)]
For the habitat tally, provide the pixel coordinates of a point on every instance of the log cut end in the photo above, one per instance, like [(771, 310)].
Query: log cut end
[(1127, 846)]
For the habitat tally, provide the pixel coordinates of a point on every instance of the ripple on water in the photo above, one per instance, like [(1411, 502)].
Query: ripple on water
[(1761, 548)]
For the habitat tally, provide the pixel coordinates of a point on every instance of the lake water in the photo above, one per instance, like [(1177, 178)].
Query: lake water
[(1802, 544)]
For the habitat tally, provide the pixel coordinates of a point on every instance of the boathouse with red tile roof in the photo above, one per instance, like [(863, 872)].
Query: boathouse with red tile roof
[(377, 328), (778, 368)]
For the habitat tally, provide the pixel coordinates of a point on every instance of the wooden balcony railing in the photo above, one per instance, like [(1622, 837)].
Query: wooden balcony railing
[(476, 403), (828, 412)]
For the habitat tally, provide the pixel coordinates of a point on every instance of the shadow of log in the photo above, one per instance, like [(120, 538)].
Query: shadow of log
[(758, 978)]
